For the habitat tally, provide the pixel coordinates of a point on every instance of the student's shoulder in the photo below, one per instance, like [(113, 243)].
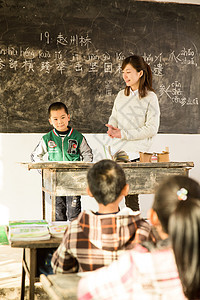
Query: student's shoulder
[(76, 134), (74, 131), (47, 134)]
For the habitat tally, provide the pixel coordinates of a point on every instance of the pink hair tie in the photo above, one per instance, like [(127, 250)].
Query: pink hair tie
[(182, 194)]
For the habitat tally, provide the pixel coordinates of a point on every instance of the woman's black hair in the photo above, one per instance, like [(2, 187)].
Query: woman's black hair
[(138, 63)]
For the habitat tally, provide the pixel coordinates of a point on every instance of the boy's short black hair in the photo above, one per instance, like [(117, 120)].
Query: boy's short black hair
[(106, 179), (57, 106)]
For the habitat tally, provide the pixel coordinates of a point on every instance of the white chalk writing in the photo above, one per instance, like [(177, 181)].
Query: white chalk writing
[(175, 93), (72, 52)]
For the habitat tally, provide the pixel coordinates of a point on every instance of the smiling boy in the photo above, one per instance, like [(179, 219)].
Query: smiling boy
[(63, 143)]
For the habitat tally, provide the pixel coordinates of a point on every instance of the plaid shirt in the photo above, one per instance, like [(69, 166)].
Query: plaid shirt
[(137, 274), (92, 241)]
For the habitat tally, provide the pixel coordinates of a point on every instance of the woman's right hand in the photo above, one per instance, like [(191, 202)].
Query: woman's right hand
[(113, 132)]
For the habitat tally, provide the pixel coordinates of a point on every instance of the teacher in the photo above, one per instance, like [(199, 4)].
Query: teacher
[(135, 117)]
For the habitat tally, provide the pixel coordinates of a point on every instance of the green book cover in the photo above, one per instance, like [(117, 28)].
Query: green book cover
[(3, 236), (28, 222)]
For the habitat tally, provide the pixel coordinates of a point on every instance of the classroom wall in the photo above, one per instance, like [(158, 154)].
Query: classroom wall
[(20, 189)]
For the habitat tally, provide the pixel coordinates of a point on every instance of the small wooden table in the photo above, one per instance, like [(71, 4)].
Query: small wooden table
[(61, 286), (29, 260), (69, 178)]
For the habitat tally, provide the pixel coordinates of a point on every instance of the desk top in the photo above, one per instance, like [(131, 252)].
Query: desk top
[(51, 243), (86, 165)]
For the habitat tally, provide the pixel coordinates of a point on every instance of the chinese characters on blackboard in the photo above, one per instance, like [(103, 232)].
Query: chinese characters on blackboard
[(75, 52)]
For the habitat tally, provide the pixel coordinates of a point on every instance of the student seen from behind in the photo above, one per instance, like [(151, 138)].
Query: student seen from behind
[(95, 239)]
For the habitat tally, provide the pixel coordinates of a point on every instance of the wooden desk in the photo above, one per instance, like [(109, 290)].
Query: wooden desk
[(69, 178), (61, 286), (29, 260)]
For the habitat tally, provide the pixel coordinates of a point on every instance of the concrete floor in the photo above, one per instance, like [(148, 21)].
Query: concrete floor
[(10, 275)]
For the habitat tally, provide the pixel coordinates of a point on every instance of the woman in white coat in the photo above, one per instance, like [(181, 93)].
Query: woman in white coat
[(135, 117)]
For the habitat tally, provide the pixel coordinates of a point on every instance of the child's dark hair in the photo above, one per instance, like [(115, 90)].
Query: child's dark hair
[(57, 106), (177, 204), (145, 83), (106, 179)]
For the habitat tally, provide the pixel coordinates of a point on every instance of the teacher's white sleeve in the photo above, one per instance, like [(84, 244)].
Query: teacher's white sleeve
[(113, 118), (151, 124)]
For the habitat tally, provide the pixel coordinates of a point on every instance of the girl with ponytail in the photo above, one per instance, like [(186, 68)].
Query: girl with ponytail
[(177, 205), (135, 117)]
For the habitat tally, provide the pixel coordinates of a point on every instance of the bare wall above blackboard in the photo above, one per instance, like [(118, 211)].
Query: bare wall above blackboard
[(71, 51)]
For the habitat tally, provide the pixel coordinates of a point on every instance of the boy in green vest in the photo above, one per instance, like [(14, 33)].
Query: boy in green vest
[(63, 143)]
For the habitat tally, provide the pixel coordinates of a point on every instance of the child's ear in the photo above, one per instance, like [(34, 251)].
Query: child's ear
[(50, 121), (125, 190), (68, 117), (89, 192), (153, 217)]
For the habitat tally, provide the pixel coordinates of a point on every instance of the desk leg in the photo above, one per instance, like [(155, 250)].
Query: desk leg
[(53, 203), (33, 264), (23, 276), (43, 197), (53, 197)]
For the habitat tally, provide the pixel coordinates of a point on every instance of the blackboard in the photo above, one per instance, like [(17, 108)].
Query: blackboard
[(72, 50)]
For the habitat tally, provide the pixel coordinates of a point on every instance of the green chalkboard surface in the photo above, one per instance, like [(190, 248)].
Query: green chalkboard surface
[(72, 50)]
